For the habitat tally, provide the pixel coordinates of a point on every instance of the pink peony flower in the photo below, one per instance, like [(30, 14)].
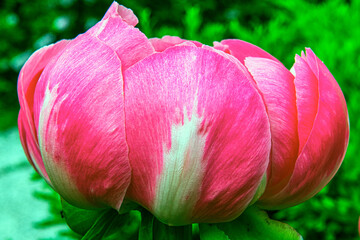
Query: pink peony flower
[(191, 132)]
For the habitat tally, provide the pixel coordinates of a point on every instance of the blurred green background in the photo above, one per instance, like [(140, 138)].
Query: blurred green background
[(283, 28)]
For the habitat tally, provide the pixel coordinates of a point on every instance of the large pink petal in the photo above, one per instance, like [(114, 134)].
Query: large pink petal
[(79, 108), (161, 44), (241, 49), (128, 42), (28, 78), (198, 135), (276, 84), (325, 147)]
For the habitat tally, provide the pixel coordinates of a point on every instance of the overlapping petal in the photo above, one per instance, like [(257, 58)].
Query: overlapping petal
[(128, 42), (276, 84), (79, 108), (161, 44), (28, 79), (191, 129), (323, 115), (241, 50)]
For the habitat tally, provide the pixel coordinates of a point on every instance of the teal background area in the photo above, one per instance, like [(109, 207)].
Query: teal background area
[(331, 28)]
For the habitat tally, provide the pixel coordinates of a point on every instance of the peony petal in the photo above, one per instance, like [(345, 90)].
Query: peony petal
[(126, 14), (276, 84), (222, 47), (326, 144), (31, 147), (307, 97), (241, 50), (161, 44), (28, 78), (128, 42), (80, 114), (192, 118)]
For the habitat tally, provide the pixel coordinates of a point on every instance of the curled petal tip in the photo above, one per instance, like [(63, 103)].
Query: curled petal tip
[(126, 14), (161, 44)]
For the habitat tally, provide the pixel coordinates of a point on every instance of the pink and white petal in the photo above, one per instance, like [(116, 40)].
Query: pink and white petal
[(198, 136), (325, 147), (161, 44), (29, 76), (276, 84), (31, 147), (241, 50), (129, 43), (28, 79), (79, 108), (126, 14)]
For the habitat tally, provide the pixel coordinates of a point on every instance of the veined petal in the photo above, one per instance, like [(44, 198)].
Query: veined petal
[(79, 108), (198, 135), (128, 42), (28, 79), (241, 50), (161, 44), (276, 84), (325, 147)]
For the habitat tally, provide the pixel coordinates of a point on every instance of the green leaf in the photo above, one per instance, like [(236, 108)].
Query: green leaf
[(124, 226), (105, 224), (251, 225), (101, 225), (80, 220), (211, 232)]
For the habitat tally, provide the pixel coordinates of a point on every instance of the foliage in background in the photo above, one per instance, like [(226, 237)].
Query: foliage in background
[(283, 28)]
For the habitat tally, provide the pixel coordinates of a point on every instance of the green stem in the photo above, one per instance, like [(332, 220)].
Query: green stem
[(146, 227), (165, 232)]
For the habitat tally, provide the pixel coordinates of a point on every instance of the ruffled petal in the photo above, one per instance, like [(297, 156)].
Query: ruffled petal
[(161, 44), (128, 42), (198, 135), (28, 79), (241, 49), (325, 146), (79, 108), (276, 84), (126, 14)]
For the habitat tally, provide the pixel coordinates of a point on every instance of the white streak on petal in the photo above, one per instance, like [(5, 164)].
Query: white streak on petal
[(51, 155), (178, 186), (103, 25), (292, 70)]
